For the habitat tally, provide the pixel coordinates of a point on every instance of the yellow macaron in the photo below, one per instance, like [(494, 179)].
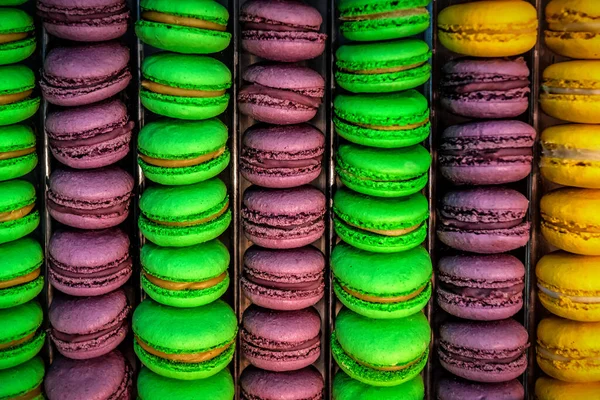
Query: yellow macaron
[(500, 28), (571, 91), (571, 155), (574, 28), (569, 285), (553, 389), (571, 220), (569, 350)]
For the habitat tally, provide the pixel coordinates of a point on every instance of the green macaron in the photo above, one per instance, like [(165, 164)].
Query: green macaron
[(17, 36), (382, 120), (17, 151), (20, 335), (383, 67), (16, 103), (185, 86), (346, 388), (380, 225), (23, 381), (173, 152), (20, 278), (17, 215), (182, 216), (152, 386), (185, 277), (380, 285), (383, 172), (184, 343), (184, 26), (5, 3)]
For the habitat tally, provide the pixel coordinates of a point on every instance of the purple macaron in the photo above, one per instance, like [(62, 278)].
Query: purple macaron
[(90, 199), (484, 220), (282, 30), (89, 263), (284, 279), (484, 351), (486, 153), (485, 88), (80, 75), (283, 218), (304, 384), (484, 288), (108, 377), (281, 94), (459, 389), (281, 340), (282, 156), (90, 136)]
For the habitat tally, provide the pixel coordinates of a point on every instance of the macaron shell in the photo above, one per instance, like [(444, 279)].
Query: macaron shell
[(459, 389), (181, 39), (553, 389), (346, 388), (21, 321), (14, 52), (16, 229), (22, 379), (17, 112), (185, 298), (152, 386), (188, 108), (306, 383)]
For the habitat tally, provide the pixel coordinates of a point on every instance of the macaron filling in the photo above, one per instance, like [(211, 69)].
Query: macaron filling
[(17, 342), (580, 229), (22, 344), (566, 358), (299, 99), (480, 293), (260, 224), (81, 15), (267, 349), (76, 276), (380, 299), (15, 97), (187, 21), (73, 87), (183, 161), (185, 357), (174, 285), (286, 163), (406, 12), (194, 220), (171, 90), (283, 285), (482, 359), (565, 295), (480, 219), (114, 207)]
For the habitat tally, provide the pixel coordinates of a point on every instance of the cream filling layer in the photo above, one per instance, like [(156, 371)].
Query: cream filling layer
[(565, 153), (574, 299), (593, 27), (545, 353), (575, 91)]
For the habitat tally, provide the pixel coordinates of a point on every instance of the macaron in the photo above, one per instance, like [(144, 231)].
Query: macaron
[(151, 386), (188, 26), (88, 327), (94, 73), (21, 276), (484, 288), (185, 86), (18, 155), (383, 172), (285, 31), (90, 199), (90, 262), (18, 216), (283, 218), (17, 35), (305, 383), (493, 88), (184, 343), (492, 28), (485, 220), (282, 156), (290, 279), (568, 350), (346, 388), (486, 153), (185, 277), (84, 21), (368, 20), (382, 120), (172, 152), (380, 225), (25, 380), (382, 286), (569, 91), (491, 351), (16, 101), (569, 220), (21, 336), (459, 389), (103, 378), (185, 215), (91, 136), (553, 389), (281, 340), (4, 3), (281, 94), (571, 31), (380, 352), (383, 67)]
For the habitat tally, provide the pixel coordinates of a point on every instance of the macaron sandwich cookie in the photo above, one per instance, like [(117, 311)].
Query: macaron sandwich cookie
[(23, 381), (281, 94), (20, 276), (492, 351), (346, 388), (184, 343), (306, 383), (368, 20), (18, 216), (553, 389), (188, 26), (460, 389), (382, 120), (380, 352), (380, 225), (185, 277), (184, 215), (281, 340), (185, 86), (17, 36), (16, 100), (18, 156), (21, 336), (172, 152), (90, 199), (5, 3), (151, 386), (383, 67), (286, 31), (571, 29)]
